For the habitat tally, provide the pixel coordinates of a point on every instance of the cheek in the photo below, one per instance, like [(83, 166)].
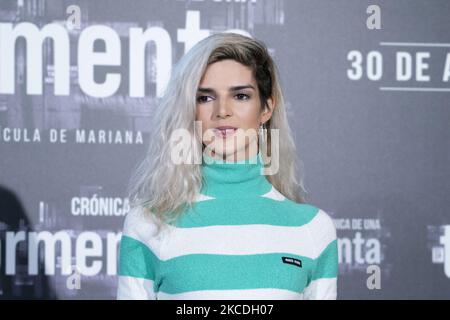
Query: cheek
[(249, 118)]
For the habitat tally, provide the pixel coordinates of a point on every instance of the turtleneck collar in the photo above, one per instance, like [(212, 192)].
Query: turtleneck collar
[(234, 179)]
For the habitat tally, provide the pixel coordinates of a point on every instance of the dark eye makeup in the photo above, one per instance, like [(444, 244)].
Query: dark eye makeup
[(200, 99)]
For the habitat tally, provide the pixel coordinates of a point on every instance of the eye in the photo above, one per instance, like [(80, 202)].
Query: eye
[(201, 100), (246, 96)]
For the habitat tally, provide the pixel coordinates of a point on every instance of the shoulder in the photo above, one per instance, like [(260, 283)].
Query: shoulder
[(304, 213), (322, 229), (141, 225), (323, 221), (319, 225)]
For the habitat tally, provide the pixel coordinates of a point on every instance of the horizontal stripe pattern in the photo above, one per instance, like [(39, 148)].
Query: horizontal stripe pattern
[(225, 272), (322, 269), (253, 239), (259, 210), (274, 194), (210, 253), (134, 288), (143, 228), (137, 259), (323, 288), (241, 294)]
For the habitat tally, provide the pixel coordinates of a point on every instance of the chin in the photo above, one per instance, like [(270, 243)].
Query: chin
[(221, 151)]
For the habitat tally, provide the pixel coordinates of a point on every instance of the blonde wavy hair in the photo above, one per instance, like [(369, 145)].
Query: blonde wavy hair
[(165, 189)]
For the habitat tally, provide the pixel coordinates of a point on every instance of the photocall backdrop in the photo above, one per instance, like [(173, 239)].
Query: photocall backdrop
[(367, 94)]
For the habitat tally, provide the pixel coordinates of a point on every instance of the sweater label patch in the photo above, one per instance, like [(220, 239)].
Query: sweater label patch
[(294, 261)]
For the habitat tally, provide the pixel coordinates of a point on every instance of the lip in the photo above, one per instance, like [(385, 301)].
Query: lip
[(225, 127), (224, 131)]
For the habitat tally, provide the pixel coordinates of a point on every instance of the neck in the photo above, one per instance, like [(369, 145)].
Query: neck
[(234, 179)]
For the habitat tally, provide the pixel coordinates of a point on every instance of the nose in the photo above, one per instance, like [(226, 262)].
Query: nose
[(223, 108)]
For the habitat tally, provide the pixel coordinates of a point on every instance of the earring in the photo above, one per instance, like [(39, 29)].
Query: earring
[(262, 134)]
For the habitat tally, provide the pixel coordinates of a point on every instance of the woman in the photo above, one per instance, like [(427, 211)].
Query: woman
[(219, 228)]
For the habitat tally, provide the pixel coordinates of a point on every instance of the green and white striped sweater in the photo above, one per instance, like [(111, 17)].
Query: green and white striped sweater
[(241, 240)]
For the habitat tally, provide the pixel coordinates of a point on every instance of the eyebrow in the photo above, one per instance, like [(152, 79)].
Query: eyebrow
[(231, 89)]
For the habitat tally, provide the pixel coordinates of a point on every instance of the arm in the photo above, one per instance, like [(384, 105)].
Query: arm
[(137, 259), (323, 283)]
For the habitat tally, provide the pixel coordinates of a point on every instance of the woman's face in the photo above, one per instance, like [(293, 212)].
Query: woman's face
[(228, 96)]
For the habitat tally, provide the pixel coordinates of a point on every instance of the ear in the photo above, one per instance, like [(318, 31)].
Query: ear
[(268, 110)]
